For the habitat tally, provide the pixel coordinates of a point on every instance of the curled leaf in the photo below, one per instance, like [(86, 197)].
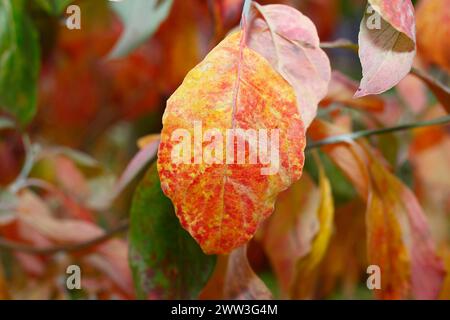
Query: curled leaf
[(291, 229), (387, 45), (289, 41), (307, 267), (385, 246), (241, 281), (399, 239)]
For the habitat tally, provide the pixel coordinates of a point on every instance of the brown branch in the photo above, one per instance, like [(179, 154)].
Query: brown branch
[(17, 246), (440, 90), (340, 44), (345, 138)]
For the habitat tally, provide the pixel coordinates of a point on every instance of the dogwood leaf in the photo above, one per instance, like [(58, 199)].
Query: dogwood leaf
[(219, 199), (165, 260), (387, 45)]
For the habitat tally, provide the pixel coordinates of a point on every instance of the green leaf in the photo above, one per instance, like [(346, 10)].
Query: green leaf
[(19, 61), (54, 7), (141, 18), (166, 261)]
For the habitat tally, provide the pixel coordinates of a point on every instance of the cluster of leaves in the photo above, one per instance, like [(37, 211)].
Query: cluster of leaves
[(217, 230)]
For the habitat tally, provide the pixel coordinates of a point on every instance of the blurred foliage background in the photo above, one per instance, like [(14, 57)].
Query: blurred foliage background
[(72, 115)]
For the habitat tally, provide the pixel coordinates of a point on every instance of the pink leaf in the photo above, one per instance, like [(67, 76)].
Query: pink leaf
[(289, 41), (387, 45)]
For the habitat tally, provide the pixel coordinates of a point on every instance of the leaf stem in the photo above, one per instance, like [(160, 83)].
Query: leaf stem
[(246, 9), (340, 44), (345, 138)]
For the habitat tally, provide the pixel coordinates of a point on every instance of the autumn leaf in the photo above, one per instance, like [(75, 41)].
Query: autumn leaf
[(307, 267), (34, 213), (221, 204), (432, 32), (289, 41), (349, 157), (413, 92), (235, 279), (441, 92), (346, 256), (166, 262), (241, 282), (290, 231), (386, 45), (430, 148), (399, 239), (385, 245)]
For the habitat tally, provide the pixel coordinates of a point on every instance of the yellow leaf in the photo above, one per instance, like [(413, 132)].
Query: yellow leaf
[(399, 239), (307, 267), (290, 231)]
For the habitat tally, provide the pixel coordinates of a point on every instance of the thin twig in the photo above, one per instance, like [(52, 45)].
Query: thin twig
[(366, 133), (246, 9), (12, 245), (340, 44)]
